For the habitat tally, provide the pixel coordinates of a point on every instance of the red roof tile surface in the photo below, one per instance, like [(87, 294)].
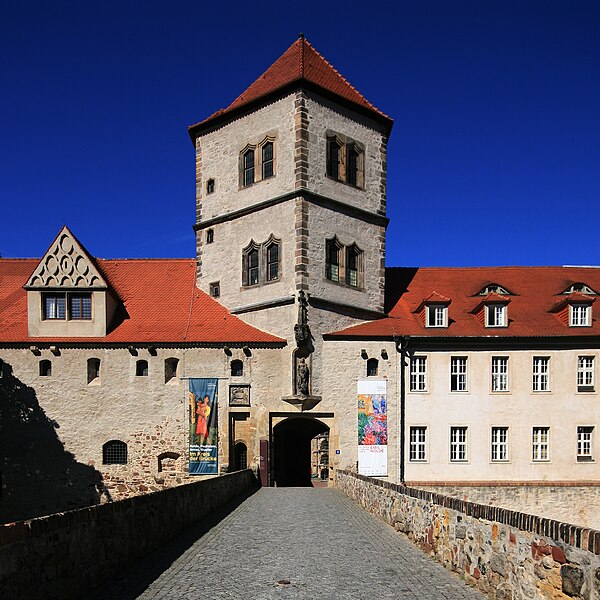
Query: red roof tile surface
[(299, 63), (160, 304), (536, 292)]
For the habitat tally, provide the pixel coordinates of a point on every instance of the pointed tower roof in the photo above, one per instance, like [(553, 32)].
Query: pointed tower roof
[(299, 66)]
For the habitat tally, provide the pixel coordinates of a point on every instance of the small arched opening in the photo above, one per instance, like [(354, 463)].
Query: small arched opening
[(240, 456)]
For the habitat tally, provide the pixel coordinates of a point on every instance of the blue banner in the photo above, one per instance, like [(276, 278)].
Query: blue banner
[(204, 429)]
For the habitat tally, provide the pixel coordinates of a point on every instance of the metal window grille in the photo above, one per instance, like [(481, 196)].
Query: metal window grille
[(458, 374), (80, 306), (54, 306), (541, 443), (418, 443), (585, 371), (584, 443), (458, 444), (114, 453), (499, 443), (541, 372), (418, 374), (499, 374)]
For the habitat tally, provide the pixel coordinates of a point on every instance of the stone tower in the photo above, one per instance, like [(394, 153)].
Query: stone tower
[(291, 197)]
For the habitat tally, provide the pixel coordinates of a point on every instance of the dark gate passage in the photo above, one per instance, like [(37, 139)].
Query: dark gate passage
[(292, 451)]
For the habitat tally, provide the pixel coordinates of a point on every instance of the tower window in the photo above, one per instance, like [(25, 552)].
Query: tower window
[(333, 158), (267, 160), (237, 368), (272, 261), (45, 368), (351, 165), (248, 167), (114, 453), (261, 262), (210, 236), (345, 160), (352, 259), (332, 260), (372, 367), (257, 161), (215, 289), (93, 369), (252, 267), (141, 368), (210, 186)]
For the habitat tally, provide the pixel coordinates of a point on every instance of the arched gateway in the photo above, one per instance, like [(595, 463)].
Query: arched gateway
[(291, 451)]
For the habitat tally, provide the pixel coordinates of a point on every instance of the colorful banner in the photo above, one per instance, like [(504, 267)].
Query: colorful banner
[(372, 428), (203, 426)]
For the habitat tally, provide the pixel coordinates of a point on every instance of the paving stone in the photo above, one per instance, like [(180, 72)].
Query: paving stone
[(326, 546)]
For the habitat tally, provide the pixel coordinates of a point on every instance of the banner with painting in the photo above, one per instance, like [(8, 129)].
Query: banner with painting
[(203, 421), (372, 428)]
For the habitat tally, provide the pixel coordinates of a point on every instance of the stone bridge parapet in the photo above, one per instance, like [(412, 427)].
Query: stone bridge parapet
[(504, 553)]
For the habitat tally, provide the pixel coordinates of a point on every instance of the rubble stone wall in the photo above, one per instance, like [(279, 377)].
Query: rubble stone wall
[(504, 553)]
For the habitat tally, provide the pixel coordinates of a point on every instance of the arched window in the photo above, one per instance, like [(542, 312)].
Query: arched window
[(141, 368), (250, 267), (352, 265), (333, 157), (267, 160), (237, 368), (93, 369), (248, 161), (272, 261), (45, 368), (241, 456), (372, 367), (171, 369), (332, 259), (114, 453), (352, 165)]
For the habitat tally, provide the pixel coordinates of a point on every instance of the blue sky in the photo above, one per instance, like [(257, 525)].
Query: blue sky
[(494, 158)]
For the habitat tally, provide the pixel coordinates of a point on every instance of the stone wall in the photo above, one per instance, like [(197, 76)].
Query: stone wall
[(505, 554), (65, 554)]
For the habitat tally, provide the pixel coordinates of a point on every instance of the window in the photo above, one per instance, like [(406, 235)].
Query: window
[(237, 368), (541, 444), (437, 315), (241, 456), (45, 368), (345, 160), (248, 161), (585, 373), (495, 315), (333, 158), (93, 369), (54, 305), (352, 258), (141, 368), (267, 160), (351, 165), (418, 374), (171, 365), (210, 186), (494, 288), (210, 236), (215, 289), (499, 374), (332, 260), (458, 444), (372, 367), (580, 315), (541, 374), (418, 441), (582, 288), (114, 453), (458, 374), (584, 443), (499, 444), (261, 262), (272, 261)]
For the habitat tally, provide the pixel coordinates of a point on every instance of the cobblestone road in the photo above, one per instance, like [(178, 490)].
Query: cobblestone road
[(317, 539)]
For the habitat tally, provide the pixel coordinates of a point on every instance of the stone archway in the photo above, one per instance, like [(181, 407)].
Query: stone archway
[(292, 450)]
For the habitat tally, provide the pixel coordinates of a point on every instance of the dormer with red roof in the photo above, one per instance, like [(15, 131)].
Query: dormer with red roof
[(575, 307), (433, 311)]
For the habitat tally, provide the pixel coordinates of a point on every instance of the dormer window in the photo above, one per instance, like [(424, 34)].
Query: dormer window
[(54, 306), (495, 315), (580, 315), (494, 288), (437, 315), (79, 305), (581, 288)]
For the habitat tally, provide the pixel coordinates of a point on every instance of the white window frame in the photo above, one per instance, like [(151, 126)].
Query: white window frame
[(459, 443), (585, 443), (418, 373), (580, 315), (499, 444), (500, 374), (496, 315), (540, 444), (417, 443), (459, 369), (437, 315), (541, 374), (585, 373)]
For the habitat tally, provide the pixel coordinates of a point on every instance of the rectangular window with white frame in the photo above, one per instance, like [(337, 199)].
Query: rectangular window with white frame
[(541, 444), (458, 374), (458, 444), (541, 374), (418, 444), (580, 315), (499, 444), (437, 315), (499, 374), (585, 373), (584, 443), (495, 315), (418, 374)]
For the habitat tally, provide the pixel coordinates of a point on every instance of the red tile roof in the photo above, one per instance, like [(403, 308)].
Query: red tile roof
[(300, 63), (536, 292), (160, 304)]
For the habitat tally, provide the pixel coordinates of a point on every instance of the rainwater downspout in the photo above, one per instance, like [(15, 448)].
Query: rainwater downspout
[(401, 348)]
